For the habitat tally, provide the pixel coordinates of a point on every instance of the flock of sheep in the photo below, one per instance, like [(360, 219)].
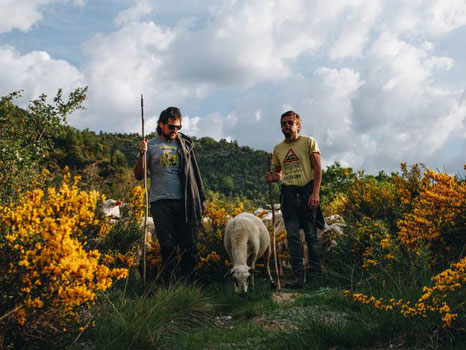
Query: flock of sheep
[(247, 239)]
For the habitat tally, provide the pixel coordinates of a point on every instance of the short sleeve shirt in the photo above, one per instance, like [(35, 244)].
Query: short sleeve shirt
[(164, 164), (294, 159)]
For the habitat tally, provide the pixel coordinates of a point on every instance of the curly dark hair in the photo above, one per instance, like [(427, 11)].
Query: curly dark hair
[(172, 113)]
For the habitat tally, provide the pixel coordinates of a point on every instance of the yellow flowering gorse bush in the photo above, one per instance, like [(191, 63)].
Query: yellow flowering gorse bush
[(448, 286), (210, 242), (429, 230), (46, 264), (433, 219)]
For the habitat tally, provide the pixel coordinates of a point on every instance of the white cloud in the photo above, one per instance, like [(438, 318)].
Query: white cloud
[(400, 107), (452, 123), (35, 73), (139, 11), (377, 82), (23, 14), (237, 47), (447, 15), (246, 43), (122, 65), (399, 80), (421, 17), (213, 125), (356, 30), (20, 14)]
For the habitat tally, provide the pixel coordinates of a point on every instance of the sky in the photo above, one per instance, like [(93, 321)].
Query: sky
[(376, 82)]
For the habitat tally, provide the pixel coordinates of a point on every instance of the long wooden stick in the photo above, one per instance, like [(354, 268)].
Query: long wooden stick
[(273, 227), (146, 201)]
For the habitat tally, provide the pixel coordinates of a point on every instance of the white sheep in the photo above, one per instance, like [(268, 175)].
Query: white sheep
[(246, 239), (111, 209), (330, 232)]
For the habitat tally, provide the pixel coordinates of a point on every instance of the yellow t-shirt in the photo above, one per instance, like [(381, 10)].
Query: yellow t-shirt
[(294, 159)]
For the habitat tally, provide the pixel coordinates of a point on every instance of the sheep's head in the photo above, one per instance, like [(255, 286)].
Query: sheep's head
[(241, 277), (111, 208)]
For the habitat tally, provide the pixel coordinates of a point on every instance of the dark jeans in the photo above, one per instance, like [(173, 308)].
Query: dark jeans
[(172, 232), (297, 215)]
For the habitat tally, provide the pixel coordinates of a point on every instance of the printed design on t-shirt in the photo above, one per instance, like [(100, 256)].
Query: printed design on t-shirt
[(292, 170), (290, 157), (169, 157)]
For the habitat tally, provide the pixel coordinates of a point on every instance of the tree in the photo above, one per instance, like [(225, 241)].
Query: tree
[(26, 136), (118, 160), (335, 179), (227, 185)]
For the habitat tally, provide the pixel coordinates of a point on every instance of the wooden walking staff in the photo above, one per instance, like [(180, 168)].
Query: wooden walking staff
[(146, 200), (273, 227)]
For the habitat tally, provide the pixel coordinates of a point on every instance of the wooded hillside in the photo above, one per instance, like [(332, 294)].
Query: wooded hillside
[(226, 167)]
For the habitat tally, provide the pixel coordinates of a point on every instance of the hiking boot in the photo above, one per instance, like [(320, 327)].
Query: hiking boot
[(310, 278), (312, 274), (296, 282), (314, 269)]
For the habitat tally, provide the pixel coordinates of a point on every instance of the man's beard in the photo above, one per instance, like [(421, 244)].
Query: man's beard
[(288, 133), (169, 136)]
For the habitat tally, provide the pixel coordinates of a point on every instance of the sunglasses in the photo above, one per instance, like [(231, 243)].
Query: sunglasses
[(174, 127), (289, 122)]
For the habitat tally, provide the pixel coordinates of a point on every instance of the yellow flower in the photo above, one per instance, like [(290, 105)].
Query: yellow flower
[(45, 262)]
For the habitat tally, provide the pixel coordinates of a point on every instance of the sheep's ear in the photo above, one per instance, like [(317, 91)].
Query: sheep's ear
[(251, 270)]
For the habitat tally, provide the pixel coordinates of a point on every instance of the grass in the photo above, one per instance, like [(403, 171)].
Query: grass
[(257, 302), (214, 317), (330, 298), (237, 335), (151, 320)]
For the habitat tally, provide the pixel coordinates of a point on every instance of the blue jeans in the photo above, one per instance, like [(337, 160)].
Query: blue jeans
[(297, 215)]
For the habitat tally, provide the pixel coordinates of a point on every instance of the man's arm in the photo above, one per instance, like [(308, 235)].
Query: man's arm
[(314, 199), (138, 169), (274, 176)]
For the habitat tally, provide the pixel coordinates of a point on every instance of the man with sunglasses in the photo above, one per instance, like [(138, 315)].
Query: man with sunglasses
[(297, 166), (176, 193)]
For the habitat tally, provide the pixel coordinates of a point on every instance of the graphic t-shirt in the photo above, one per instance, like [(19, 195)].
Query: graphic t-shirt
[(163, 162), (294, 159)]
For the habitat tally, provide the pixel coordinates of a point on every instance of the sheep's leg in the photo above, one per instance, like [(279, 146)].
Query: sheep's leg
[(253, 267)]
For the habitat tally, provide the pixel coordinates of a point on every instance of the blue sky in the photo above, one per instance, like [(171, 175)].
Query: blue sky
[(377, 82)]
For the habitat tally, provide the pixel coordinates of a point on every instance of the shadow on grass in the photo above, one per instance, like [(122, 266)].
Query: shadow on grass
[(129, 319), (255, 302)]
